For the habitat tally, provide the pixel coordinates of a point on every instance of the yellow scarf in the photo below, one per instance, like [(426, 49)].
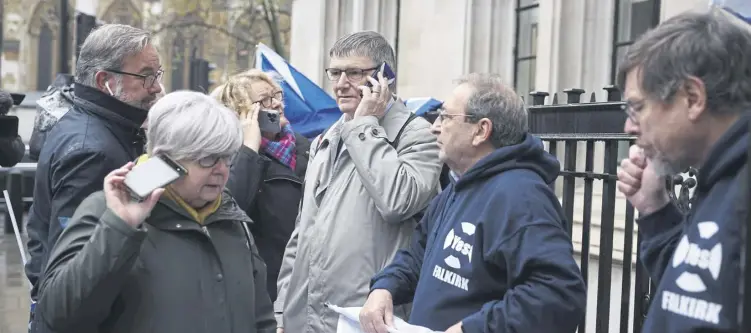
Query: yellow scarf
[(198, 215)]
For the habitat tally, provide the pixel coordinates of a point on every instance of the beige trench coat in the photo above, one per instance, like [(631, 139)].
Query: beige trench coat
[(355, 215)]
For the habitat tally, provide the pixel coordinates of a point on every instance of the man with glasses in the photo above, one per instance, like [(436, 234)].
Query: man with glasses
[(117, 80), (687, 84), (492, 253), (367, 178)]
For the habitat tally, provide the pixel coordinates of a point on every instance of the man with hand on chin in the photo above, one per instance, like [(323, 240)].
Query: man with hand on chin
[(368, 175), (687, 87)]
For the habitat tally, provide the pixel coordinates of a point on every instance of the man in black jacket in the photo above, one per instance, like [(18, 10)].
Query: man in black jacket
[(117, 81), (12, 148)]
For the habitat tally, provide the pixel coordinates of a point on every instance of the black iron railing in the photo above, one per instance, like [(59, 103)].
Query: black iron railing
[(569, 128)]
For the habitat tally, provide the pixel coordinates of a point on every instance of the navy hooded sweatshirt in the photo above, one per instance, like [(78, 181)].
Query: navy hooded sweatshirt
[(492, 251), (695, 259)]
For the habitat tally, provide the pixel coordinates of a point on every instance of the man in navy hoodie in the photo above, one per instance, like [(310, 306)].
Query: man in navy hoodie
[(687, 84), (492, 253)]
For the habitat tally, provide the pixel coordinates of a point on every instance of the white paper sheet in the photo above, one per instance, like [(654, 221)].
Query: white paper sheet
[(349, 322)]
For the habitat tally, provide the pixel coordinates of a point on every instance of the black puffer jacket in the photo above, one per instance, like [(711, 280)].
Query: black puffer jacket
[(269, 192), (97, 135)]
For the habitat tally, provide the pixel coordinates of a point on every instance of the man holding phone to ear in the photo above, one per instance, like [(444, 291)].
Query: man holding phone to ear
[(115, 85), (368, 176)]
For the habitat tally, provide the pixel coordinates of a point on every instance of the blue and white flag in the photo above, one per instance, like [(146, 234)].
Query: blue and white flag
[(309, 108), (422, 105), (740, 8)]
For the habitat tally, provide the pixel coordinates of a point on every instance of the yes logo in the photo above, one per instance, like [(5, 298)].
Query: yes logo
[(691, 254), (699, 264), (459, 245)]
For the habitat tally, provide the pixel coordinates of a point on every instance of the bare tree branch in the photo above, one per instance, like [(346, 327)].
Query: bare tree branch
[(272, 21), (245, 28), (207, 26)]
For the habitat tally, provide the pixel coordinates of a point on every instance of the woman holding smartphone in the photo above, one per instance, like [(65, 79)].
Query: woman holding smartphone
[(180, 259), (267, 173)]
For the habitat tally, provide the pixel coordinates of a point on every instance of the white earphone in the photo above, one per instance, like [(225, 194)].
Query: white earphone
[(107, 85)]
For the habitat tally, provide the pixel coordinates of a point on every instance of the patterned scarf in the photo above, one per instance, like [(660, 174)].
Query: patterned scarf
[(283, 148)]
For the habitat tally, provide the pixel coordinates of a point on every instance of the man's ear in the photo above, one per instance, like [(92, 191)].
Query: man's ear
[(101, 78), (696, 97), (482, 132)]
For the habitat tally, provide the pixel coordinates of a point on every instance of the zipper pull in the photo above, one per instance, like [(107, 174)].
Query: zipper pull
[(206, 231)]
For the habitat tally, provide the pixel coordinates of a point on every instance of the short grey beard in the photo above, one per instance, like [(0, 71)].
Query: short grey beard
[(119, 94), (663, 167)]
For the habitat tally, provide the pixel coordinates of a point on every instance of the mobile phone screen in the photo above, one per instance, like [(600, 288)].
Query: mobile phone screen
[(151, 175)]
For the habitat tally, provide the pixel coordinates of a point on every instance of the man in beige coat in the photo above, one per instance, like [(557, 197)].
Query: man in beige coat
[(368, 175)]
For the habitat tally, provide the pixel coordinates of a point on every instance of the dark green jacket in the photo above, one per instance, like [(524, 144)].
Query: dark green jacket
[(170, 275)]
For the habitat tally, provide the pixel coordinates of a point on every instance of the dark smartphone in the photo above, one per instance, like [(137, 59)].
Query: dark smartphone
[(154, 173), (8, 127), (388, 74), (269, 121)]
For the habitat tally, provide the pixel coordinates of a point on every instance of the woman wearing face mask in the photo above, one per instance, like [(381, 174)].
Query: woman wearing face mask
[(267, 174)]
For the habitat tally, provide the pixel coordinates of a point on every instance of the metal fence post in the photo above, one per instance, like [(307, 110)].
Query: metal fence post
[(14, 185), (573, 96), (538, 97)]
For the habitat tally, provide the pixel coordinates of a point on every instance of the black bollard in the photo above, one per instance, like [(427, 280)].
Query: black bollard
[(14, 185)]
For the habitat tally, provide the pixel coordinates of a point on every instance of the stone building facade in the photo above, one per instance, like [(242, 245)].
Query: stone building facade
[(221, 31), (559, 44)]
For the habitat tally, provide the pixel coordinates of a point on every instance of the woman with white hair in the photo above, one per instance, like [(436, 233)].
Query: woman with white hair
[(179, 261)]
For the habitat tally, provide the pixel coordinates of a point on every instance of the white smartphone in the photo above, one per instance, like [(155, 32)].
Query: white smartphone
[(154, 173)]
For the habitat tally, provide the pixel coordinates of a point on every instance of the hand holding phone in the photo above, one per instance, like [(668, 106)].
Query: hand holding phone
[(155, 173), (388, 74), (119, 201), (251, 130), (376, 94), (269, 121)]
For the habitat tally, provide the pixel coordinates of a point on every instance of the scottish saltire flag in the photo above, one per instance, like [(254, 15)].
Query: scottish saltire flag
[(740, 8), (422, 105), (309, 108)]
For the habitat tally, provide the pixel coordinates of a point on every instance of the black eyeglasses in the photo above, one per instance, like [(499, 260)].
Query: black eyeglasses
[(354, 74), (442, 116), (632, 110), (148, 80), (212, 160), (268, 101)]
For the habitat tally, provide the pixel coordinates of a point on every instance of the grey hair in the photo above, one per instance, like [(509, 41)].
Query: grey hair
[(107, 47), (492, 99), (368, 44), (188, 126), (708, 46)]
